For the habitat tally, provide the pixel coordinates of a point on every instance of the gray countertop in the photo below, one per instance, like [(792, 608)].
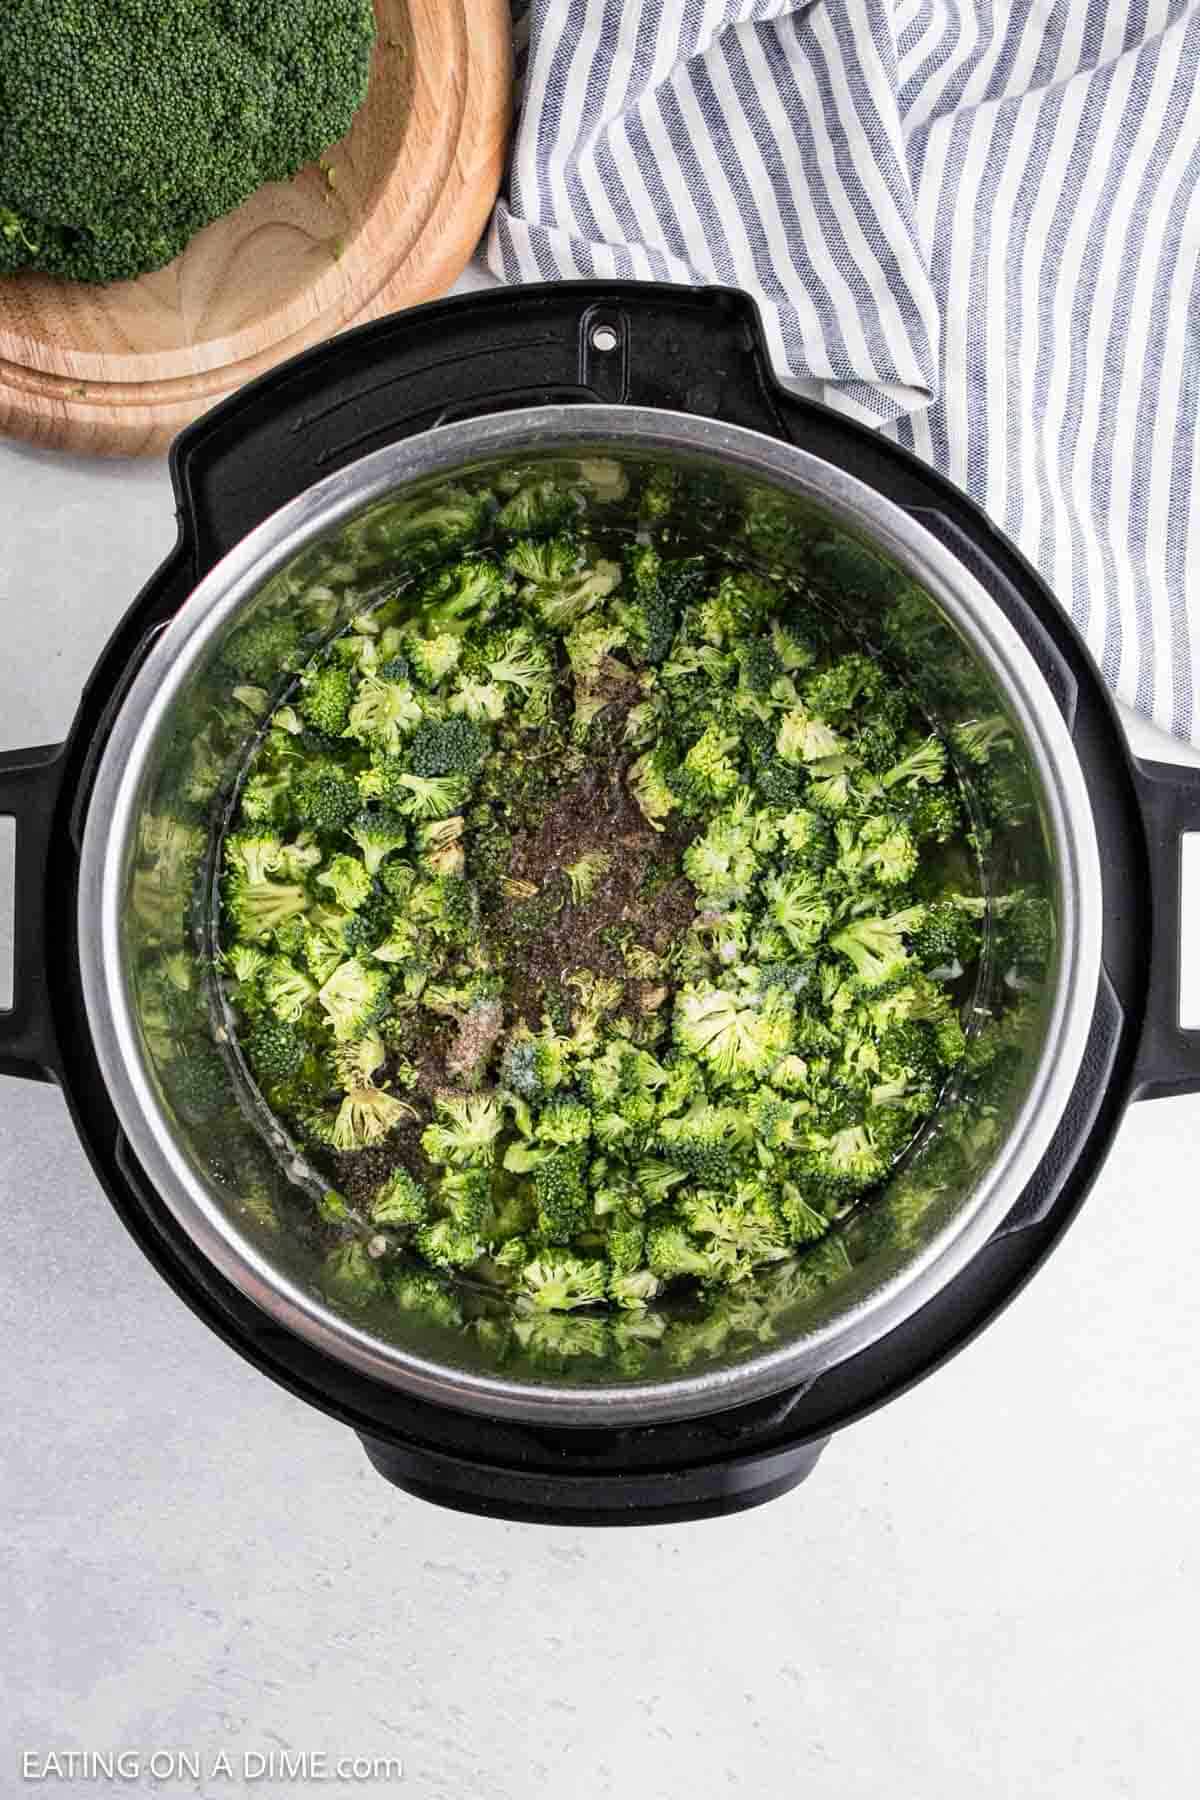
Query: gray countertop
[(990, 1588)]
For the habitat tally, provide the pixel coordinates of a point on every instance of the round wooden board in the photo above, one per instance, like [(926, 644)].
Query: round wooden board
[(117, 371)]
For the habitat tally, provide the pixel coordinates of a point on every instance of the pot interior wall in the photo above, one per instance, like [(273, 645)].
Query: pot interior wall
[(266, 1186)]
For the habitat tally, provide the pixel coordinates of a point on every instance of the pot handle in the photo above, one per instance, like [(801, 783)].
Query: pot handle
[(697, 350), (1168, 1059), (30, 781)]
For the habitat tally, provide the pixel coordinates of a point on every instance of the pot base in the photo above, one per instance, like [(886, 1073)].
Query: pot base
[(633, 1497)]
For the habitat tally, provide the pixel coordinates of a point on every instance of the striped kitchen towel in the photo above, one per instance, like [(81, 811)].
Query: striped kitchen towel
[(974, 224)]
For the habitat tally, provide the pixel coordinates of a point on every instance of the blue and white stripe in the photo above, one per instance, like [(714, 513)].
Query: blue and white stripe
[(974, 224)]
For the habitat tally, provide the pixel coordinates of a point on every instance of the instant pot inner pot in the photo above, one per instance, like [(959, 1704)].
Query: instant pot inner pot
[(264, 1194)]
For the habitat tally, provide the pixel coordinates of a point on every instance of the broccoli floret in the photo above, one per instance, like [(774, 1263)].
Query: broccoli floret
[(735, 612), (947, 940), (672, 1253), (806, 840), (448, 1245), (778, 783), (466, 1132), (198, 1083), (446, 906), (733, 1039), (478, 699), (925, 762), (286, 989), (557, 1283), (657, 592), (548, 564), (325, 798), (423, 796), (324, 700), (845, 1163), (634, 1291), (514, 659), (796, 904), (722, 864), (703, 1143), (559, 581), (263, 650), (433, 658), (354, 999), (760, 664), (625, 1245), (382, 714), (255, 855), (650, 784), (352, 1275), (564, 1122), (876, 946), (266, 798), (532, 1066), (421, 530), (347, 880), (876, 849), (425, 1297), (708, 772), (975, 739), (741, 1228), (258, 908), (849, 686), (804, 737), (298, 858), (539, 506), (126, 128), (563, 1203), (803, 1222), (583, 876), (466, 1196), (468, 593), (933, 815), (441, 747), (275, 1050), (831, 782), (247, 965), (366, 1116), (1025, 936), (378, 834)]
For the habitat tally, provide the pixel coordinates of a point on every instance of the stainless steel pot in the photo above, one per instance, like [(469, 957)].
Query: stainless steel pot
[(145, 902)]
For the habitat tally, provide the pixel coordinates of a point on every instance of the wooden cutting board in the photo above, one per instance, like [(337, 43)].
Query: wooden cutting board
[(391, 219)]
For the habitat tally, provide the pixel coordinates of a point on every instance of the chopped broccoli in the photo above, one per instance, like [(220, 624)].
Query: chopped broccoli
[(649, 1059)]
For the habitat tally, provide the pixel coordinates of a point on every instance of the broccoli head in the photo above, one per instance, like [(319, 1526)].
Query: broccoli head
[(125, 128)]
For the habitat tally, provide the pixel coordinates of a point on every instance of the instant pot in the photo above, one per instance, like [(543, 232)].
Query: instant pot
[(330, 481)]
